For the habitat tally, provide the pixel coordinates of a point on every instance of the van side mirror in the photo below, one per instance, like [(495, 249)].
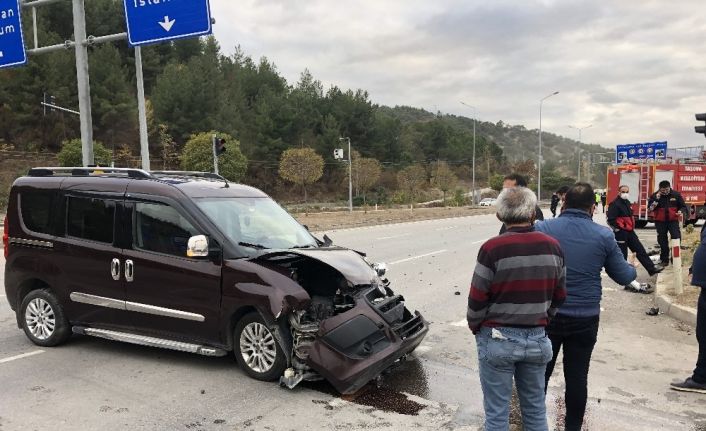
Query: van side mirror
[(197, 246), (380, 268)]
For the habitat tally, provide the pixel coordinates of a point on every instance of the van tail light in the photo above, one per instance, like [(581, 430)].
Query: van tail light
[(6, 236)]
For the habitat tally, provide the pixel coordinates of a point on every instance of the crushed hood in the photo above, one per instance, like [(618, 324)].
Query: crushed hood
[(349, 263)]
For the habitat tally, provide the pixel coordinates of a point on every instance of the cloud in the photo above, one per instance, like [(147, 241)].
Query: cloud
[(634, 68)]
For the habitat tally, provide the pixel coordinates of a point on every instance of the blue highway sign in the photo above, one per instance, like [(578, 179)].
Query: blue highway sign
[(12, 44), (633, 152), (152, 21)]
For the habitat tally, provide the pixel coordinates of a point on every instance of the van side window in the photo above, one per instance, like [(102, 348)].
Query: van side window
[(160, 228), (35, 207), (91, 219)]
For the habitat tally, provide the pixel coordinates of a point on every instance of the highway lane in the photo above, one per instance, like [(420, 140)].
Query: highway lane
[(91, 383)]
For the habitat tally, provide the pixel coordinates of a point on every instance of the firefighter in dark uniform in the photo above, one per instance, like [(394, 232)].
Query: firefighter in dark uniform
[(621, 219), (666, 205)]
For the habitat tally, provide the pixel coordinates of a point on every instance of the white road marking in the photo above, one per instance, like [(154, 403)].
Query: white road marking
[(480, 240), (24, 355), (394, 236), (445, 228), (416, 257), (461, 323), (422, 349)]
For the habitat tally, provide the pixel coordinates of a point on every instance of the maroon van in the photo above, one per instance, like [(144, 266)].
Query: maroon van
[(191, 262)]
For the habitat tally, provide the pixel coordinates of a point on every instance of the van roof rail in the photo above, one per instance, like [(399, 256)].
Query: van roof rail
[(82, 171), (196, 174)]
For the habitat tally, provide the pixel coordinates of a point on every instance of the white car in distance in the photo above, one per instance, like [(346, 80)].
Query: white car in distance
[(487, 202)]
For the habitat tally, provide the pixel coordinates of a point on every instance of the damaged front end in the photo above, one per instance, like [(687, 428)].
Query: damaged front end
[(353, 328)]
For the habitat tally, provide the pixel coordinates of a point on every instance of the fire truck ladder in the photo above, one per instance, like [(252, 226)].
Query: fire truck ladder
[(644, 192)]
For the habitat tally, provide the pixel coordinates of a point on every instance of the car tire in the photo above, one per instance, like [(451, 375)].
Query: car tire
[(257, 351), (43, 320)]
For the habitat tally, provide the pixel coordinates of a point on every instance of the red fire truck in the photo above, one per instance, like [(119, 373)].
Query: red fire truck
[(685, 170)]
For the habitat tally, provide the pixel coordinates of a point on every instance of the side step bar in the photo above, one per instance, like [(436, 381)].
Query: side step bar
[(149, 341)]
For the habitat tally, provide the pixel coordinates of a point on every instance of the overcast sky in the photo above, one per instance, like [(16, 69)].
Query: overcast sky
[(635, 69)]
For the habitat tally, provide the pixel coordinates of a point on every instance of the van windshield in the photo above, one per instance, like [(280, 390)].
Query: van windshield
[(256, 223)]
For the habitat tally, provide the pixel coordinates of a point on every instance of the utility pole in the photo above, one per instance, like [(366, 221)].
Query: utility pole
[(84, 86), (350, 175), (539, 164), (580, 142), (214, 145), (80, 45), (473, 169)]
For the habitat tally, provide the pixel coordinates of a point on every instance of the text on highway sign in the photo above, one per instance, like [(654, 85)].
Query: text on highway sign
[(152, 21), (12, 45)]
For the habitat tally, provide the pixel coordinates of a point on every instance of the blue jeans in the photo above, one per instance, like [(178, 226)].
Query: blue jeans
[(524, 354)]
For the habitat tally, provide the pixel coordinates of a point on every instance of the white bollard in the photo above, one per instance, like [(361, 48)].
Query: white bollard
[(676, 261)]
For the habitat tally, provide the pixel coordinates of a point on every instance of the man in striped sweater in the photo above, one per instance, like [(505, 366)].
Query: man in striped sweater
[(518, 284)]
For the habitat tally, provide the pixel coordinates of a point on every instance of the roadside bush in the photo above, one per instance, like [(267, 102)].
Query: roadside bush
[(459, 198), (399, 197), (71, 154), (197, 155), (380, 196), (358, 201)]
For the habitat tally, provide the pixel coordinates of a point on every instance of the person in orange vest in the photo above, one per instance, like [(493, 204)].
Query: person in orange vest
[(666, 206)]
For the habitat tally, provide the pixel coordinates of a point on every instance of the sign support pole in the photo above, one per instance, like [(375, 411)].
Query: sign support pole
[(141, 109), (84, 86), (215, 156)]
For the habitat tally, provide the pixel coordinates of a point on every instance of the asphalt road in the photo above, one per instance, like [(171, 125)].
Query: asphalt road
[(97, 384)]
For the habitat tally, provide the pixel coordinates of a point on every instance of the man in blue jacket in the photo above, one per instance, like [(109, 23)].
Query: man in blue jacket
[(697, 381), (588, 248)]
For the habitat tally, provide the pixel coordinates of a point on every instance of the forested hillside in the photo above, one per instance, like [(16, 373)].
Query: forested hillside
[(192, 87)]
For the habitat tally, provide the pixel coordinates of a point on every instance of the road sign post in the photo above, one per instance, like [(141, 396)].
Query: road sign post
[(12, 45), (150, 21)]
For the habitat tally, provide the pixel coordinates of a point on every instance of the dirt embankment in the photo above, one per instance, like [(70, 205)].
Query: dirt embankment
[(317, 222)]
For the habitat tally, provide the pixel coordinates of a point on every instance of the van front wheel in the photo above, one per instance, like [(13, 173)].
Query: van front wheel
[(256, 349), (43, 318)]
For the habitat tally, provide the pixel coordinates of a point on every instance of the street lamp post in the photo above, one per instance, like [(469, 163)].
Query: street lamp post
[(473, 169), (539, 165), (350, 175), (580, 142)]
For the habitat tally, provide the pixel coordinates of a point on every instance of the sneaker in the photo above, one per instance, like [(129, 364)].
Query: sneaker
[(656, 269), (639, 287), (689, 385), (645, 288)]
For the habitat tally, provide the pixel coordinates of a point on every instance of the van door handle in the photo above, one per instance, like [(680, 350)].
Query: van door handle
[(129, 270), (115, 269)]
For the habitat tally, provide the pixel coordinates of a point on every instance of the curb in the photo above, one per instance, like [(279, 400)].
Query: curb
[(665, 304)]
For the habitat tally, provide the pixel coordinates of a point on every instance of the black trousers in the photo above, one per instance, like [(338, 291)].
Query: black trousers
[(577, 335), (630, 240), (700, 370), (662, 228)]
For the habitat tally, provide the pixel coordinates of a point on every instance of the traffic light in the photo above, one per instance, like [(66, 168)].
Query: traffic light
[(700, 129), (219, 146)]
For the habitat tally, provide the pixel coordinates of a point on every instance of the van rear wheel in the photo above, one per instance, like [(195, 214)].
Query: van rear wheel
[(257, 351), (43, 319)]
